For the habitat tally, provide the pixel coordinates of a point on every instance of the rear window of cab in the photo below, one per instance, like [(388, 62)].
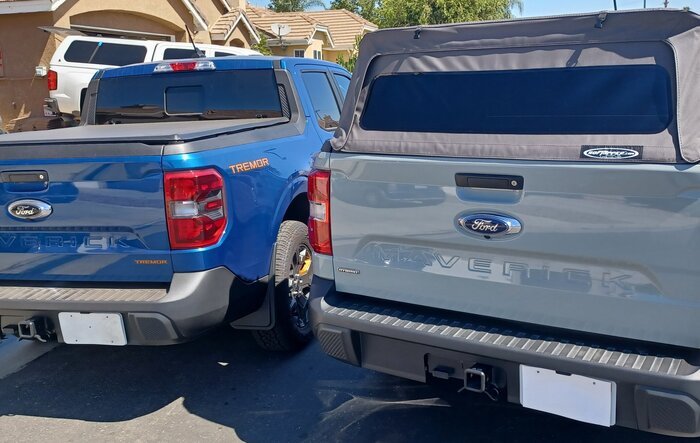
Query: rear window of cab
[(182, 96)]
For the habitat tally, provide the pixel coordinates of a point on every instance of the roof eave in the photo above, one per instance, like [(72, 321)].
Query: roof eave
[(277, 42), (340, 48), (29, 6), (325, 30), (287, 42), (242, 17), (199, 20), (226, 5)]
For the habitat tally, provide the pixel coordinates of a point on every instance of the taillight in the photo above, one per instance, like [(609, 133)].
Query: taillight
[(320, 212), (52, 80), (195, 208)]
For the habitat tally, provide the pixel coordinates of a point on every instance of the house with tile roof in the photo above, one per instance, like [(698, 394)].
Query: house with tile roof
[(345, 27), (31, 30), (324, 34)]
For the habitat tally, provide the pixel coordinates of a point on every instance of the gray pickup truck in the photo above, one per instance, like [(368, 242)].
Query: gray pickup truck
[(515, 206)]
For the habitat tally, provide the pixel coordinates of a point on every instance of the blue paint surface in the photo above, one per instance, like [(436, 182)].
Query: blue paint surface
[(109, 224)]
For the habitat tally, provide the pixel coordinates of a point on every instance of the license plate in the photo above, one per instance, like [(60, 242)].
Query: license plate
[(568, 395), (92, 329), (48, 112)]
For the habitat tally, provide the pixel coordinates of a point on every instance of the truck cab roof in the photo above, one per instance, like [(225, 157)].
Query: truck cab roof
[(219, 63)]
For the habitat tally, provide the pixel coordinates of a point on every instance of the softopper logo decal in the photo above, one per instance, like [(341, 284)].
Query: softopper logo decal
[(29, 209), (611, 152), (489, 225)]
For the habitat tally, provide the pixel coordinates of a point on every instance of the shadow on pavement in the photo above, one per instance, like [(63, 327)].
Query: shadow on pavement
[(224, 378)]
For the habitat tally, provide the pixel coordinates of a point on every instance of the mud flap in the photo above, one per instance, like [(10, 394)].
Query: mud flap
[(264, 317)]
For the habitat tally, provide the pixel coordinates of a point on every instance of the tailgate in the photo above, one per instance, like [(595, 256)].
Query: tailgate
[(103, 219), (609, 249)]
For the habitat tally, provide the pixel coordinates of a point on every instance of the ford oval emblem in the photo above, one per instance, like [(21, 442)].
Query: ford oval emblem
[(489, 225), (611, 153), (29, 209)]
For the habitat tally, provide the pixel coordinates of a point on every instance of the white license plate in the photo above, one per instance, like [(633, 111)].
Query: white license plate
[(92, 329), (580, 398), (48, 112)]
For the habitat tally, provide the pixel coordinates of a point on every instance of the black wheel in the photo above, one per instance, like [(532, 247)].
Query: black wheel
[(292, 330)]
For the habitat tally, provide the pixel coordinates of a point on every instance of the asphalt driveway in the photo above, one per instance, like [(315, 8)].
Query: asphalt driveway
[(223, 388)]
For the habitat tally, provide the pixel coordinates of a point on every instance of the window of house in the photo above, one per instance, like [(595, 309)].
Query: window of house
[(318, 55), (323, 99), (299, 53)]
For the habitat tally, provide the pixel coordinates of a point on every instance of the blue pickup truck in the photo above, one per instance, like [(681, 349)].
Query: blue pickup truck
[(178, 205)]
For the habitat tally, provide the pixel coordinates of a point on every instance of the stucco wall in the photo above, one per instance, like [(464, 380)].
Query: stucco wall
[(288, 51), (24, 47), (332, 56), (210, 9), (122, 20), (140, 15), (240, 34)]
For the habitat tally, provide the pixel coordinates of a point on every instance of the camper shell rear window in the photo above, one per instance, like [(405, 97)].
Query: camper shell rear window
[(632, 99), (109, 54), (179, 53)]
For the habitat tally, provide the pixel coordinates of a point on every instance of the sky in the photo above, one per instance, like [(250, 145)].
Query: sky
[(533, 8), (552, 7)]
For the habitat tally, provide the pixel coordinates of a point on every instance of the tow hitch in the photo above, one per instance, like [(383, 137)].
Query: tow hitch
[(474, 377), (35, 328), (481, 379)]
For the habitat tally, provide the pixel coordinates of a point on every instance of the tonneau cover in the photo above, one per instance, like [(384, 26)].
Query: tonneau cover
[(667, 38), (150, 133)]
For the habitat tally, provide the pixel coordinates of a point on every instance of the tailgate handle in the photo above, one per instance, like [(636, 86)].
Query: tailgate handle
[(24, 181), (487, 181)]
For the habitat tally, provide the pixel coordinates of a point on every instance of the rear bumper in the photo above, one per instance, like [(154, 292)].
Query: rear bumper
[(51, 105), (193, 303), (657, 387), (63, 104)]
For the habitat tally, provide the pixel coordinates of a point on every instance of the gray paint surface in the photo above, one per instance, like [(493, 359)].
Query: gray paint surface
[(604, 248)]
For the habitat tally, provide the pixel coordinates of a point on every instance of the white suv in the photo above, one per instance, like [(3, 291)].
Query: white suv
[(78, 58)]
